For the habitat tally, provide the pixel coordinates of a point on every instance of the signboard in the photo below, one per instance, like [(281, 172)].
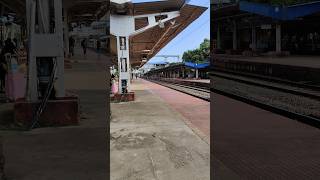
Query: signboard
[(123, 44), (123, 64)]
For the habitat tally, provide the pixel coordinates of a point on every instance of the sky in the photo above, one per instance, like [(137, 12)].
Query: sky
[(188, 39)]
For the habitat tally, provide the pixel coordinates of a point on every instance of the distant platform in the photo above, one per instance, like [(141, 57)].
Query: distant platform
[(198, 80), (303, 69), (193, 80), (293, 60)]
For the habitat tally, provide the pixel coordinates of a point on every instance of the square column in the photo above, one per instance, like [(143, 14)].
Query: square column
[(218, 36), (45, 44), (66, 32), (253, 38), (278, 37), (123, 64), (197, 73), (234, 36)]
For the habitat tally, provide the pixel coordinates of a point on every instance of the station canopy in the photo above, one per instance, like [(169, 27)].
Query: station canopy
[(85, 11), (148, 43), (197, 65), (276, 12)]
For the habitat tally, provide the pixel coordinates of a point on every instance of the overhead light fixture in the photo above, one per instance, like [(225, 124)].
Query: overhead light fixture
[(161, 24), (146, 51)]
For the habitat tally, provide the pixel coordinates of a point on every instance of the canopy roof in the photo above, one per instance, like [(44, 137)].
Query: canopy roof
[(150, 42), (78, 10), (281, 13)]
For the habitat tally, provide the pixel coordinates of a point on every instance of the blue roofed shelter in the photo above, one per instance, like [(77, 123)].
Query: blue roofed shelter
[(259, 28), (182, 70)]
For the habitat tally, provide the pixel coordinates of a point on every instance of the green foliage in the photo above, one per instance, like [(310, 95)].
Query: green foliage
[(282, 2), (198, 55)]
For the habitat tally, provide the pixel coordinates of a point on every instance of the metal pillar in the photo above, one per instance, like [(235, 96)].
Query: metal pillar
[(278, 37), (234, 36), (45, 41), (218, 36), (123, 63), (253, 38), (66, 32), (197, 73), (183, 74)]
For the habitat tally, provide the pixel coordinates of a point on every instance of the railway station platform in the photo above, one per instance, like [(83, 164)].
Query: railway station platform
[(292, 60), (302, 69), (163, 134), (71, 152), (197, 80), (258, 144)]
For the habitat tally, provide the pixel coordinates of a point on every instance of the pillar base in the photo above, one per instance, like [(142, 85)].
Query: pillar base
[(59, 112), (123, 97)]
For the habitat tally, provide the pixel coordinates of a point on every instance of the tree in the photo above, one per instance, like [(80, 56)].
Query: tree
[(198, 55)]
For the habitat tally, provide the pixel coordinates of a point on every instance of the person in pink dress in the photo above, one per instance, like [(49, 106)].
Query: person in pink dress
[(114, 88)]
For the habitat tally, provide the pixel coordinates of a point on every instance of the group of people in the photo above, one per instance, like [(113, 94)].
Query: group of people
[(84, 46), (9, 47), (72, 43)]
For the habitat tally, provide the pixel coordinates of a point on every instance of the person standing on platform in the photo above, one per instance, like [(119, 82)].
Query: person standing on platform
[(3, 73), (9, 47), (84, 46), (98, 46), (113, 84), (71, 46), (15, 43)]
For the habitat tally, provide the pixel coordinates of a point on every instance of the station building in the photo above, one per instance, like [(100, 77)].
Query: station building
[(181, 70), (266, 39)]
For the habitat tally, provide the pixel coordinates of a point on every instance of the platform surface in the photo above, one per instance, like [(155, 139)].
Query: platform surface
[(72, 152), (257, 144), (151, 139), (300, 61)]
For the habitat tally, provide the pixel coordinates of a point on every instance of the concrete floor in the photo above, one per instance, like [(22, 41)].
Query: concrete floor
[(74, 152), (150, 140), (260, 145)]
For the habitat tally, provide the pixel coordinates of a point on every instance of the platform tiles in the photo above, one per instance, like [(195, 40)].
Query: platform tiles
[(257, 144), (150, 140), (71, 152)]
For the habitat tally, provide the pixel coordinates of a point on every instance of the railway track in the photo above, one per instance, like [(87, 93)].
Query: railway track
[(196, 89), (290, 99), (297, 88)]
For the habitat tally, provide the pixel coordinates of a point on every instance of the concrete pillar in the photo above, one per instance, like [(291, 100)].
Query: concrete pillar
[(123, 63), (66, 32), (278, 37), (39, 38), (234, 36), (59, 85), (32, 87), (183, 73), (197, 73), (218, 36), (253, 38)]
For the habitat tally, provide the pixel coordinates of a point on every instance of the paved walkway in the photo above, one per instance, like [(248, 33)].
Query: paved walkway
[(260, 145), (151, 140), (67, 153), (195, 111)]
